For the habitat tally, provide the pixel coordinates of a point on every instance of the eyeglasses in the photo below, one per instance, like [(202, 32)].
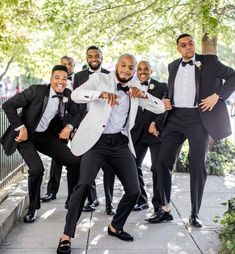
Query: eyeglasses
[(183, 45)]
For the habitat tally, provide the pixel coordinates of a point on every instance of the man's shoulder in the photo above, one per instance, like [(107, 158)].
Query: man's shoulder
[(104, 71), (157, 83), (81, 73)]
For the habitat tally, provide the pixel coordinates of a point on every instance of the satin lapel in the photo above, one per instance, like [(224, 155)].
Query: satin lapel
[(172, 76), (45, 101), (197, 79)]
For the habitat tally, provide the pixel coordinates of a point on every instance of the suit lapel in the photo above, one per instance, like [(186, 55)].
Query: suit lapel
[(172, 76), (197, 79)]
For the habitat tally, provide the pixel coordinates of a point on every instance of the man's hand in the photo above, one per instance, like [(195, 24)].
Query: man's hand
[(65, 133), (135, 92), (209, 102), (167, 104), (153, 129), (23, 135), (111, 97)]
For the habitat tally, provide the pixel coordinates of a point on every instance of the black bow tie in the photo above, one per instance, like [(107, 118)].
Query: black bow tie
[(185, 63), (145, 83), (58, 95), (70, 78), (123, 88)]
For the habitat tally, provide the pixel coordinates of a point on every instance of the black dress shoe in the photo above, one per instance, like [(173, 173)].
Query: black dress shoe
[(141, 207), (31, 216), (120, 234), (48, 197), (64, 247), (195, 222), (110, 209), (90, 207), (160, 216)]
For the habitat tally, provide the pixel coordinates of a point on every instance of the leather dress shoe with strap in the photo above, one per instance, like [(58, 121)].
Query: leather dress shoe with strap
[(195, 221), (110, 209), (139, 207), (64, 247), (90, 207), (31, 216), (48, 197), (160, 216), (120, 234)]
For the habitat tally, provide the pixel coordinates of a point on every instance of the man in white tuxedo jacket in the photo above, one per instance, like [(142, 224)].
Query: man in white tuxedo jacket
[(104, 135)]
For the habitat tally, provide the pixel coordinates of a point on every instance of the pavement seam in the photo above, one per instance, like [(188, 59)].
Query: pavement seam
[(186, 227), (88, 235)]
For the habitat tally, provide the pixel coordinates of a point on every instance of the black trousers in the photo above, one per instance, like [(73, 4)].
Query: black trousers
[(51, 146), (113, 149), (108, 181), (141, 149), (183, 124)]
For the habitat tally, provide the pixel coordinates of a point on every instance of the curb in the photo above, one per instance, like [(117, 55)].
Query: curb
[(13, 208)]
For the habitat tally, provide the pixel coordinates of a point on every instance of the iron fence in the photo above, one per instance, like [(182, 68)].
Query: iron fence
[(9, 165)]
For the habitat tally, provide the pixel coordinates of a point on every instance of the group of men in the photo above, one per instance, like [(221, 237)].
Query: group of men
[(112, 119)]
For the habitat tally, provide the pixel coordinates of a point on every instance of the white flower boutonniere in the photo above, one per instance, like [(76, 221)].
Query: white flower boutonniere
[(198, 64), (65, 99), (151, 86)]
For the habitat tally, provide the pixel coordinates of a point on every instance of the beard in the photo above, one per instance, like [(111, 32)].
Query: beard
[(123, 80), (94, 68)]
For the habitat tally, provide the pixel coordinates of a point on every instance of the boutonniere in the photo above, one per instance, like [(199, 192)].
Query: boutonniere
[(151, 86), (65, 99), (198, 64)]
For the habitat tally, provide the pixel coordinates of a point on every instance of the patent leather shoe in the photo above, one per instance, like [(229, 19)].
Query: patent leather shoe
[(90, 207), (141, 207), (64, 247), (160, 216), (31, 216), (110, 209), (195, 221), (48, 197), (120, 234)]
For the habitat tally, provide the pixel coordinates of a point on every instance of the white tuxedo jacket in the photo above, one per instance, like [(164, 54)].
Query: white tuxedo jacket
[(92, 126)]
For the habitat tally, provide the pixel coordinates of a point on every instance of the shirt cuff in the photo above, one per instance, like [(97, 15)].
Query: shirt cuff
[(18, 128)]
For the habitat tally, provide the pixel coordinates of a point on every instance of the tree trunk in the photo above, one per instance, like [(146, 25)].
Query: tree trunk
[(209, 45)]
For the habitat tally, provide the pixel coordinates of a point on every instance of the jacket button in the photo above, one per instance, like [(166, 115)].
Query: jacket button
[(103, 126)]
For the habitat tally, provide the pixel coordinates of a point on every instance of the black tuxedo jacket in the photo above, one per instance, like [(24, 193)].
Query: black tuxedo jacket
[(82, 76), (33, 102), (145, 117), (209, 79)]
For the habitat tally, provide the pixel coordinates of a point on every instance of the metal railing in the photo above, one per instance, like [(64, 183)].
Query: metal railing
[(9, 165)]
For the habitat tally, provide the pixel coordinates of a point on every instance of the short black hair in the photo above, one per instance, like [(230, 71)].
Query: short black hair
[(67, 57), (59, 68), (182, 36), (93, 47)]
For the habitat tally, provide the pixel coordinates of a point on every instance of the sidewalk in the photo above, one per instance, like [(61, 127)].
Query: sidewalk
[(175, 237)]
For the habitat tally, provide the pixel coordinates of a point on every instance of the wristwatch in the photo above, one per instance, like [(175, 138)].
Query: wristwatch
[(70, 126)]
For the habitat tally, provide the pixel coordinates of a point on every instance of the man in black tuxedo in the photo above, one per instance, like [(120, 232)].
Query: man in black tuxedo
[(94, 60), (197, 93), (141, 137), (47, 118), (56, 168)]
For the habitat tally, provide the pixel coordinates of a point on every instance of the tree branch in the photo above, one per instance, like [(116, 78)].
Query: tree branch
[(7, 67)]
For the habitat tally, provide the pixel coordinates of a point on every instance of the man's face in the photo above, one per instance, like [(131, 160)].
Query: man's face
[(144, 71), (125, 68), (94, 59), (59, 81), (69, 63), (186, 47)]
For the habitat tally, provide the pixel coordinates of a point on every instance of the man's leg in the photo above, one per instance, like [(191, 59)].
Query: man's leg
[(198, 146), (141, 150)]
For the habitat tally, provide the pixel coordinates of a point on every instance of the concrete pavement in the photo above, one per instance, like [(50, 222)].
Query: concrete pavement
[(176, 237)]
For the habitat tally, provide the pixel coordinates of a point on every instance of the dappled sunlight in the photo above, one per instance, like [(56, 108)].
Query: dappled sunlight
[(229, 181), (3, 210), (141, 226), (84, 225), (48, 213), (175, 248), (96, 240)]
